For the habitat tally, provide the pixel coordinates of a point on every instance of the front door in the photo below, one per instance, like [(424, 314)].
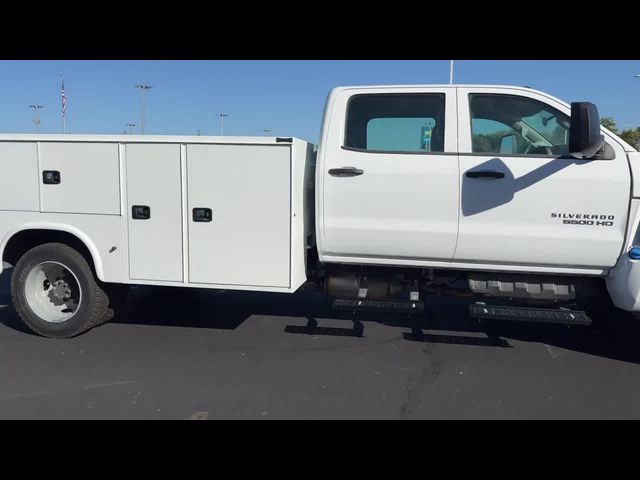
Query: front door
[(390, 186), (523, 199)]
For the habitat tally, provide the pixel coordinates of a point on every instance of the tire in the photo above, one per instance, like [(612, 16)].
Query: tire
[(118, 294), (55, 292)]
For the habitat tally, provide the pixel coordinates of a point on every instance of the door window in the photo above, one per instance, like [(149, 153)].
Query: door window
[(509, 124), (412, 123)]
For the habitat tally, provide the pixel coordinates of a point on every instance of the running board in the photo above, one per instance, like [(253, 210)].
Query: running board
[(524, 314), (378, 306)]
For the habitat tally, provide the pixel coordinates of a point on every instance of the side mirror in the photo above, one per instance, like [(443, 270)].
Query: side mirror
[(585, 140), (508, 144)]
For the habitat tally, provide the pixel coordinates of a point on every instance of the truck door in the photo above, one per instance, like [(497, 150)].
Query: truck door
[(523, 199), (390, 175)]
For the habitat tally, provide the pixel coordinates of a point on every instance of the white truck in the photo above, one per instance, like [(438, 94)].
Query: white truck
[(505, 194)]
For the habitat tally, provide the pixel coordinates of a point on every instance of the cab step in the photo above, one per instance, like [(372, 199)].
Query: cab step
[(526, 314), (379, 306)]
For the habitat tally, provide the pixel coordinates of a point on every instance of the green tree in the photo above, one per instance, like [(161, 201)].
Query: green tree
[(609, 123), (632, 137)]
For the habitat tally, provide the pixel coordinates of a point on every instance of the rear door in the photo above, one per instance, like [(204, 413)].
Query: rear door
[(390, 175), (523, 199)]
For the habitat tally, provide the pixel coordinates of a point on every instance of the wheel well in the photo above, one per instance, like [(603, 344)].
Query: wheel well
[(25, 240)]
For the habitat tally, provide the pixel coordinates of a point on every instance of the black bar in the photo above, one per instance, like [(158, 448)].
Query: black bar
[(485, 174), (345, 172), (525, 314)]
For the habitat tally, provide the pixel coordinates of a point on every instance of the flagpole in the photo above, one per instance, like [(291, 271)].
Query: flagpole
[(64, 107)]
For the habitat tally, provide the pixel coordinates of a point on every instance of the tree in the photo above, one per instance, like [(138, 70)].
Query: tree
[(632, 137), (609, 123)]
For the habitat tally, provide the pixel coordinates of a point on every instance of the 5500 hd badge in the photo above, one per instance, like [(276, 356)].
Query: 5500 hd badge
[(585, 219)]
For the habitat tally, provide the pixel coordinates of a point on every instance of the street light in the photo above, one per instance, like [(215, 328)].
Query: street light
[(131, 125), (36, 118), (222, 117), (142, 90)]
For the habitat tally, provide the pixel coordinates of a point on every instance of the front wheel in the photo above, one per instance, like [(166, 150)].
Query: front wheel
[(55, 293)]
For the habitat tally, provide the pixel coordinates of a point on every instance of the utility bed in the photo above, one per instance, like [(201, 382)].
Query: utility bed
[(227, 212)]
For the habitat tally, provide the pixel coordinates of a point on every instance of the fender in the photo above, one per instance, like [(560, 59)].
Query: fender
[(61, 227)]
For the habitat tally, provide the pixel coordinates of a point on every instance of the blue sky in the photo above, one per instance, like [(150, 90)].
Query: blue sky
[(284, 96)]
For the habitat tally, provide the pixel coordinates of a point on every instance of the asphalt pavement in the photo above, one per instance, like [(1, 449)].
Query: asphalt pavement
[(198, 354)]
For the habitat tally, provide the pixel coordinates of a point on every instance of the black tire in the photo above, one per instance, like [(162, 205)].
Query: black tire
[(92, 308), (118, 294)]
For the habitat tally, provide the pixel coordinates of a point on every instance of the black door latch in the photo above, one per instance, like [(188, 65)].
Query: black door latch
[(50, 177), (202, 215), (140, 212)]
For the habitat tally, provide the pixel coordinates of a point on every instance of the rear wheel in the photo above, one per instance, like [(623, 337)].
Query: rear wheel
[(55, 293)]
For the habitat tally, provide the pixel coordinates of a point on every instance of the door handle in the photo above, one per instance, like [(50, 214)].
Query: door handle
[(345, 172), (484, 174), (50, 177), (202, 215), (140, 212)]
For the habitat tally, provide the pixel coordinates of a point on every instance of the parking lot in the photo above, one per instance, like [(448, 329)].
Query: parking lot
[(185, 354)]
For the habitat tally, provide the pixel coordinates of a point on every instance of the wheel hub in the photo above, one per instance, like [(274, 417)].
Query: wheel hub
[(59, 290), (53, 292)]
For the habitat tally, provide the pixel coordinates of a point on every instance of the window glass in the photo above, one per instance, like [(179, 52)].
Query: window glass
[(396, 123), (508, 124)]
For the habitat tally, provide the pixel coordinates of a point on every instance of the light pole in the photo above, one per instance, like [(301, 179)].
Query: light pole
[(36, 118), (142, 90), (450, 71), (222, 117), (131, 125)]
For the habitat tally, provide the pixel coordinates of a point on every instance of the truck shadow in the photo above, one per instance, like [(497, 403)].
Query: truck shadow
[(446, 321)]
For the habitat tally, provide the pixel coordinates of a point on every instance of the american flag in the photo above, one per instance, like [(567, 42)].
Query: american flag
[(64, 100)]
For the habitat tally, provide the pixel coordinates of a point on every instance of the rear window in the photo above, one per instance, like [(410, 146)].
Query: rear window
[(411, 123)]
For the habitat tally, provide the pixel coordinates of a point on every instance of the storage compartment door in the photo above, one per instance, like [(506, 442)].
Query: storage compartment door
[(84, 177), (240, 196), (19, 176), (154, 212)]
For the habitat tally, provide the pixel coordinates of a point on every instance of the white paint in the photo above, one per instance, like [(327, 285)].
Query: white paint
[(99, 233), (404, 205), (509, 220), (89, 178), (247, 188), (153, 180), (18, 176)]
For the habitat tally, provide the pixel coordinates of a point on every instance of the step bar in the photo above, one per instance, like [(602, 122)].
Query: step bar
[(378, 306), (526, 314)]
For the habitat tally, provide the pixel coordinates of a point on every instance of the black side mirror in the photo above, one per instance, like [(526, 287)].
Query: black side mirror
[(585, 139)]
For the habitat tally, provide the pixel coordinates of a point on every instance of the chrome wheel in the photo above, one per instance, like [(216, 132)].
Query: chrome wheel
[(52, 292)]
